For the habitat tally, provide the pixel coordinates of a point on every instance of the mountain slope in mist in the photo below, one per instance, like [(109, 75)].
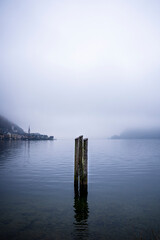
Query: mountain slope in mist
[(7, 126), (139, 134)]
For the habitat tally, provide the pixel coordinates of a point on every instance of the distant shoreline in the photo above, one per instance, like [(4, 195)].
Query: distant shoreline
[(25, 137), (139, 134)]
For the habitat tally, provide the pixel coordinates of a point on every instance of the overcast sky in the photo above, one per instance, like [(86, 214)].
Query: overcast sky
[(76, 67)]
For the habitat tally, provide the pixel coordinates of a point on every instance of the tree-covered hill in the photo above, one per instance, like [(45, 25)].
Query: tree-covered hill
[(7, 126), (152, 133)]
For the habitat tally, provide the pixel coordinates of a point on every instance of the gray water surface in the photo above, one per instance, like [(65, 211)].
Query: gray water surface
[(37, 198)]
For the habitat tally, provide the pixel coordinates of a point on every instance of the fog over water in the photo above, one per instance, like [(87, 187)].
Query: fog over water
[(80, 67)]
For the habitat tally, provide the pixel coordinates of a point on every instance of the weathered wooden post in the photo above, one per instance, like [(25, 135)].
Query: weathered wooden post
[(85, 161), (76, 162), (81, 162), (80, 158)]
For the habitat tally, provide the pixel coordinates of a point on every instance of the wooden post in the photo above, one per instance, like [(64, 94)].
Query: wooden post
[(76, 162), (80, 158), (85, 162), (81, 162)]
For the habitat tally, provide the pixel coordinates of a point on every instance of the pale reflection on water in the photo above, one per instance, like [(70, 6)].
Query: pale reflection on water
[(38, 199)]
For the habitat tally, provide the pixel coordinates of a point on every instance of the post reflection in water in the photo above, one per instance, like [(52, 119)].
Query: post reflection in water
[(81, 210)]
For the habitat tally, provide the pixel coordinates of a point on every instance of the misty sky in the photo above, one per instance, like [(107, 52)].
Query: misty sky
[(76, 67)]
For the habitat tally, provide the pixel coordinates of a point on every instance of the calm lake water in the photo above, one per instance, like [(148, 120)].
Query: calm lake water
[(37, 199)]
